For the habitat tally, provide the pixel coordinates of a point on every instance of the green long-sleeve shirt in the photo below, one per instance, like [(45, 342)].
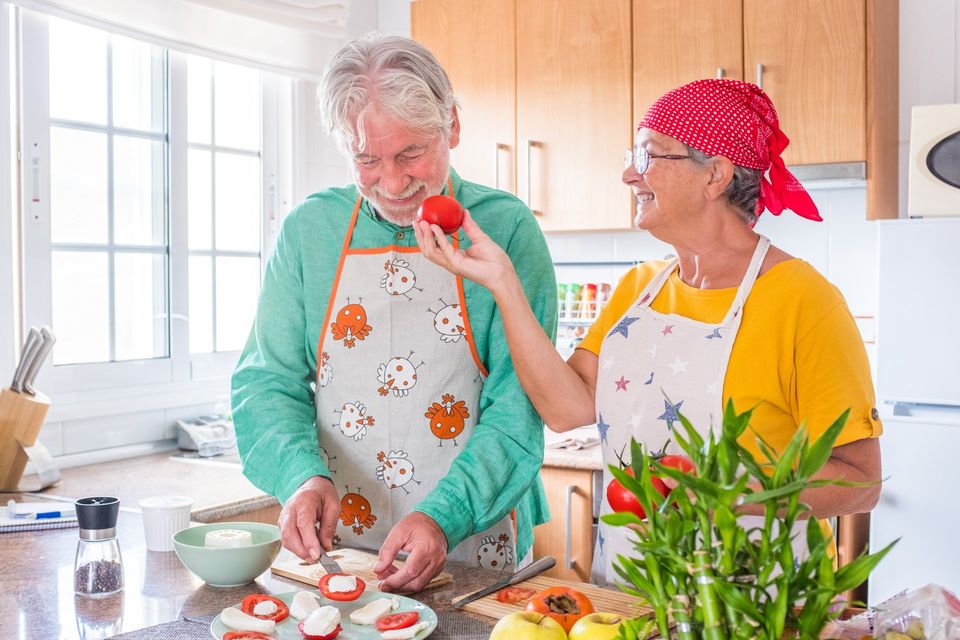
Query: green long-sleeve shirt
[(273, 410)]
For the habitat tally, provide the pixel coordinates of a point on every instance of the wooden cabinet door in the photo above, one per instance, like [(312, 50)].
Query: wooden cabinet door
[(679, 41), (813, 55), (569, 491), (475, 41), (573, 111)]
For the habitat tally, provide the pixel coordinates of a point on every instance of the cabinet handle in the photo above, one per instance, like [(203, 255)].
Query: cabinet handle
[(530, 145), (760, 75), (571, 489), (720, 73), (496, 165)]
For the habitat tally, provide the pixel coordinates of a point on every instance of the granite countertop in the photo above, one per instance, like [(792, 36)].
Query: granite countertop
[(219, 489), (38, 603)]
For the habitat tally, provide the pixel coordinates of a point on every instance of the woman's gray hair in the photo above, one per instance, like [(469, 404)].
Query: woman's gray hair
[(744, 187), (396, 75)]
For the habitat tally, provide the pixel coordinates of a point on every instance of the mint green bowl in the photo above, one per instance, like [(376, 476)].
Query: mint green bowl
[(228, 566)]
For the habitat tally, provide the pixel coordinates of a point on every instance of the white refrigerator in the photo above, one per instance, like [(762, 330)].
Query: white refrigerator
[(918, 382)]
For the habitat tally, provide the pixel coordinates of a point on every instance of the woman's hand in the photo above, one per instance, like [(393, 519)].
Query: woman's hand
[(484, 262)]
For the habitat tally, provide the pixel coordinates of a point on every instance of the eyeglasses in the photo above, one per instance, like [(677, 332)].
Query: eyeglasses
[(640, 158)]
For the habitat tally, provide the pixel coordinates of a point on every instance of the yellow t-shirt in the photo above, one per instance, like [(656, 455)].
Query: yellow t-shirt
[(797, 357)]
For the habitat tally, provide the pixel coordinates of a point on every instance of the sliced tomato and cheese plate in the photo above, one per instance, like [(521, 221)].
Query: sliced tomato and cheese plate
[(287, 628)]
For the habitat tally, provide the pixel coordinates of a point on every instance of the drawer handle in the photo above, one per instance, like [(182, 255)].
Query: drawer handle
[(760, 75), (571, 489), (530, 145), (720, 73)]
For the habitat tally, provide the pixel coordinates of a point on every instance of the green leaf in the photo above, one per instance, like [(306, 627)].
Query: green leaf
[(784, 466), (621, 518), (822, 448), (852, 575)]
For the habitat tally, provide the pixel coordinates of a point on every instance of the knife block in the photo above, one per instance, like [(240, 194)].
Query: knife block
[(21, 416)]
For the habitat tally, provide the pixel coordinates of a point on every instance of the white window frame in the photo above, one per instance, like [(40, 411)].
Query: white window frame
[(187, 378)]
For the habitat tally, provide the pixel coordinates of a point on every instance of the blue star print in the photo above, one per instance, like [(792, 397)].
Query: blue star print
[(715, 334), (602, 428), (601, 541), (650, 379), (671, 412), (622, 327)]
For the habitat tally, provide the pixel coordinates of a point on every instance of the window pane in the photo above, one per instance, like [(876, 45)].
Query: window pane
[(201, 304), (199, 92), (80, 307), (137, 84), (78, 186), (236, 106), (138, 191), (78, 72), (199, 199), (140, 306), (238, 285), (238, 202)]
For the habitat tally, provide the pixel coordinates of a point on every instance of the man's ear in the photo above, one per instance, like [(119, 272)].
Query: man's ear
[(721, 173), (455, 128)]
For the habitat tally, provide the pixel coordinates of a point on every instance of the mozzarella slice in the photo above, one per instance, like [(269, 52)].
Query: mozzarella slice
[(304, 603), (372, 611), (239, 621), (228, 538), (342, 584), (321, 622), (404, 634), (395, 602), (265, 608)]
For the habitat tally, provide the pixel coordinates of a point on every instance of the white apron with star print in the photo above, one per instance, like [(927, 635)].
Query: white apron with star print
[(652, 366), (398, 386)]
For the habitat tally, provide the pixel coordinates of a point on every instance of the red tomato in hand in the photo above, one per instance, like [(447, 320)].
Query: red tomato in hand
[(443, 211), (342, 596), (683, 463), (400, 620), (254, 599)]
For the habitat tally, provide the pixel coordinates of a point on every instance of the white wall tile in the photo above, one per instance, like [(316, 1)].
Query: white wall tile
[(853, 251), (800, 237)]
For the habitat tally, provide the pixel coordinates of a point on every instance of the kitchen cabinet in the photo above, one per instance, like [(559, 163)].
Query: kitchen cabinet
[(558, 71), (568, 536), (830, 67)]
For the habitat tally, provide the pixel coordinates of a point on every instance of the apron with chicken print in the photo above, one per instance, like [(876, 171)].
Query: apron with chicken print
[(653, 366), (398, 388)]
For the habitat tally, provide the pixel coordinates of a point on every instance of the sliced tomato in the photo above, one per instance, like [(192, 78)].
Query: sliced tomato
[(246, 635), (400, 620), (342, 596), (252, 600), (515, 595), (330, 636)]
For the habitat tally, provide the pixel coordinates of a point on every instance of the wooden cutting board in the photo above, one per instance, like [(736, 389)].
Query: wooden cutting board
[(609, 600), (352, 561)]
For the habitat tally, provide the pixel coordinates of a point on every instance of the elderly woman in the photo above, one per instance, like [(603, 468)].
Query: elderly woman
[(731, 317)]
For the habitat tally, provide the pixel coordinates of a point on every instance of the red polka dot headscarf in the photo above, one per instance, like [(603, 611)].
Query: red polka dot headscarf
[(736, 120)]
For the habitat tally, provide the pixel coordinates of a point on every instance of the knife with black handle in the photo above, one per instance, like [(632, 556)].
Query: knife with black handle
[(535, 568)]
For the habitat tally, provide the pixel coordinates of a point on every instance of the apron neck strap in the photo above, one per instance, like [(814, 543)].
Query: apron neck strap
[(746, 285), (356, 212), (749, 278)]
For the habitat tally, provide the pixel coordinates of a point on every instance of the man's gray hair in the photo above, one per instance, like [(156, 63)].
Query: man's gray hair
[(743, 190), (393, 74)]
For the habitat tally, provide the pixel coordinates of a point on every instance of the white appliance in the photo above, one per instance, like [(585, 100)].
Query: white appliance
[(918, 379), (934, 167)]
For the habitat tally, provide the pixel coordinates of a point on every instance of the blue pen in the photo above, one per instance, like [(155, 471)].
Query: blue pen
[(39, 516)]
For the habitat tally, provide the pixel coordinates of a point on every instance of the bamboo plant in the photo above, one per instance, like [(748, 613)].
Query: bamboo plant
[(697, 564)]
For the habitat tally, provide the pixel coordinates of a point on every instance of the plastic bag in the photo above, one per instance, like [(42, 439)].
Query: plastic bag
[(930, 613)]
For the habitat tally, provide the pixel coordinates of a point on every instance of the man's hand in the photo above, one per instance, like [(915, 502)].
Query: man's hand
[(316, 500), (422, 537)]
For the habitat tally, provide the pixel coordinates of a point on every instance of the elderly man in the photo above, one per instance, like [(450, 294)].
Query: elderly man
[(376, 398)]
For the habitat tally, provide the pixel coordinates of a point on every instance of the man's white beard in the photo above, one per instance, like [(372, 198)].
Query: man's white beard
[(403, 217)]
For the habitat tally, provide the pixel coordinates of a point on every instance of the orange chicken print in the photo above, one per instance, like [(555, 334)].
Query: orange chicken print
[(355, 512), (447, 418), (350, 325)]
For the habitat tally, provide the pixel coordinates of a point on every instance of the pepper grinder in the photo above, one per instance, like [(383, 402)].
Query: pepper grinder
[(98, 568)]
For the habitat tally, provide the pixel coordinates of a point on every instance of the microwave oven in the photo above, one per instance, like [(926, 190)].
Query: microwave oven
[(934, 172)]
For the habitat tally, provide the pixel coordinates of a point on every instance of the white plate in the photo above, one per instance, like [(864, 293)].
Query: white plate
[(287, 629)]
